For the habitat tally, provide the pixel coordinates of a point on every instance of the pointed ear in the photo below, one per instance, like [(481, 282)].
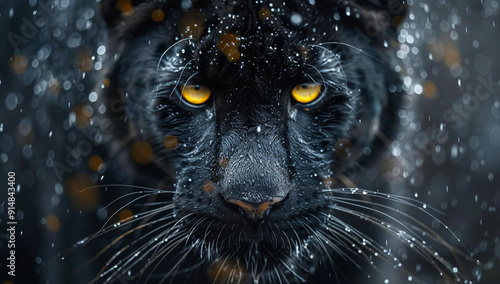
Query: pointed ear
[(377, 18), (113, 11)]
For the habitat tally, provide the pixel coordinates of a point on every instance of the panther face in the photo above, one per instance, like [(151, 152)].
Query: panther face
[(253, 109)]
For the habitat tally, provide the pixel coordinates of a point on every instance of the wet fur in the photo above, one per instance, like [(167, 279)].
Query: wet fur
[(268, 143)]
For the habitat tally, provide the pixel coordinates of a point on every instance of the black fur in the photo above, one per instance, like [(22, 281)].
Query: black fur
[(251, 141)]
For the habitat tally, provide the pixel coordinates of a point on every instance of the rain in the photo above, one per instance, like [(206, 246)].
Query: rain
[(73, 198)]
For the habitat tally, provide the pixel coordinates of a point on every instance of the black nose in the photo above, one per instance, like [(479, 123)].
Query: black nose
[(254, 211)]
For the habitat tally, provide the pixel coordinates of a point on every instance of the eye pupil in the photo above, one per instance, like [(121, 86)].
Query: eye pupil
[(195, 94), (304, 86)]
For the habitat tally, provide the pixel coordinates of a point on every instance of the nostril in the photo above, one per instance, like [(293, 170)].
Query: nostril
[(252, 210)]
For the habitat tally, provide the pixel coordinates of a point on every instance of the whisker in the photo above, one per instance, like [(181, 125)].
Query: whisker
[(321, 75), (351, 46), (419, 246), (164, 53), (336, 58), (400, 199), (128, 186), (187, 82), (124, 206)]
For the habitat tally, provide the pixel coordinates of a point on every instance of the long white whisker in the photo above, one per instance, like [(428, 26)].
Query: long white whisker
[(351, 46), (338, 60)]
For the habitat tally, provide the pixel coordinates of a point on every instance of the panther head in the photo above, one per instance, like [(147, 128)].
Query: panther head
[(253, 109)]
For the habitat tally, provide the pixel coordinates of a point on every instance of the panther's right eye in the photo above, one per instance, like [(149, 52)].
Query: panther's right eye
[(195, 94)]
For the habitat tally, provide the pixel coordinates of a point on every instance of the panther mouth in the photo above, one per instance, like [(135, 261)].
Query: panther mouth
[(256, 245), (251, 229), (246, 266), (255, 259)]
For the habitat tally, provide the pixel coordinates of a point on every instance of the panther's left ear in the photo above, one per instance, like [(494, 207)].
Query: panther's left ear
[(115, 12), (377, 17)]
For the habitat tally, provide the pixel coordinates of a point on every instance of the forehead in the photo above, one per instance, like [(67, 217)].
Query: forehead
[(258, 40), (230, 54)]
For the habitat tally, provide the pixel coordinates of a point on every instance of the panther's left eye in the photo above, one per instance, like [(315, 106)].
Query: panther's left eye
[(306, 93), (195, 94)]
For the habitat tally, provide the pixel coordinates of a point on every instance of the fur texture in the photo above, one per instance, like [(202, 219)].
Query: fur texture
[(251, 141)]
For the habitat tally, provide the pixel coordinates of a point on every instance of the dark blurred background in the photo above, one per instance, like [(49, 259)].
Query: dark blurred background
[(447, 154)]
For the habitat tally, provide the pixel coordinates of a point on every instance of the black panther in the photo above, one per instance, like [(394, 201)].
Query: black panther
[(251, 112)]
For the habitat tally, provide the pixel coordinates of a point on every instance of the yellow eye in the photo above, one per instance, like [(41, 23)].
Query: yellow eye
[(306, 93), (195, 94)]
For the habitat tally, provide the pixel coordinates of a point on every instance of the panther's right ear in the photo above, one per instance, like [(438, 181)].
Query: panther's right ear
[(377, 17)]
